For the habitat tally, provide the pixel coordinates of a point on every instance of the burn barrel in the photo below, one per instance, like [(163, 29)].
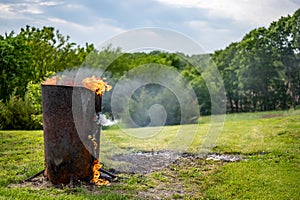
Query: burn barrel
[(71, 135)]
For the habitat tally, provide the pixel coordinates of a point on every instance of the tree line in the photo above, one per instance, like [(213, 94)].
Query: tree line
[(261, 72)]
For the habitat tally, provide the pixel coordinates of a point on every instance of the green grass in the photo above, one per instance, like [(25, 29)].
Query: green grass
[(21, 155), (269, 140)]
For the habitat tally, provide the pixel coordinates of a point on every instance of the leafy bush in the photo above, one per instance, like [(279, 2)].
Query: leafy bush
[(19, 114), (34, 95)]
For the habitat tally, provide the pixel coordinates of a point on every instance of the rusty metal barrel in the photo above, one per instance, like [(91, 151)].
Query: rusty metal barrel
[(71, 136)]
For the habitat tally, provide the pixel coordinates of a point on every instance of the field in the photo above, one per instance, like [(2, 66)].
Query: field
[(268, 142)]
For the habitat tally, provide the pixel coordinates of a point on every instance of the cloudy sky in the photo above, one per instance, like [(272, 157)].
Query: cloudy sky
[(213, 24)]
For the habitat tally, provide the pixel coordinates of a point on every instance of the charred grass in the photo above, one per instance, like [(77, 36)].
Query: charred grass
[(270, 143)]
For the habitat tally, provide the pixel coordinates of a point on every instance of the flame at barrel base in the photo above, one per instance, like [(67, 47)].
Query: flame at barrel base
[(96, 175)]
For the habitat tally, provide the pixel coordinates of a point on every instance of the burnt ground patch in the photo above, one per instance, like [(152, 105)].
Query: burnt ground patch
[(151, 175)]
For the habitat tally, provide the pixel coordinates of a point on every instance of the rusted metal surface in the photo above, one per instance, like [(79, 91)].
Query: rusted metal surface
[(68, 120)]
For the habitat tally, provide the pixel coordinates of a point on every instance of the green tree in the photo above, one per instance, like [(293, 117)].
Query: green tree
[(15, 64), (257, 72), (285, 39), (51, 51), (228, 69)]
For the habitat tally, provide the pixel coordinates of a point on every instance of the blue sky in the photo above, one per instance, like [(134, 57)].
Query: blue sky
[(213, 24)]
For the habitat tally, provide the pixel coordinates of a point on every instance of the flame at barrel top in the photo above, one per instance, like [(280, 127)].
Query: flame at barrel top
[(96, 84)]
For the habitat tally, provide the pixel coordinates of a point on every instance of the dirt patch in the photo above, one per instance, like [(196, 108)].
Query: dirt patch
[(144, 162), (39, 181), (35, 183), (154, 175), (170, 175), (184, 179)]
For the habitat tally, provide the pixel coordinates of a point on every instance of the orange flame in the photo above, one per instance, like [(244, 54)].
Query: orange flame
[(96, 174), (96, 84)]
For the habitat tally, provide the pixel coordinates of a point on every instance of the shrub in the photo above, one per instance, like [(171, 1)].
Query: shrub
[(18, 114)]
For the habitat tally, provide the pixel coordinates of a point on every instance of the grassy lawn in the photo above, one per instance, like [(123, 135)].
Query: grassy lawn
[(270, 142)]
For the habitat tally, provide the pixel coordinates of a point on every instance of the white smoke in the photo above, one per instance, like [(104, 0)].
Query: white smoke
[(102, 120)]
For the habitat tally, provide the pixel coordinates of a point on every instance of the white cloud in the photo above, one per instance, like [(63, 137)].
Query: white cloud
[(20, 10), (50, 3), (32, 1), (97, 25), (95, 33), (75, 6), (255, 12), (6, 12), (16, 10), (210, 37), (30, 9), (203, 26)]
